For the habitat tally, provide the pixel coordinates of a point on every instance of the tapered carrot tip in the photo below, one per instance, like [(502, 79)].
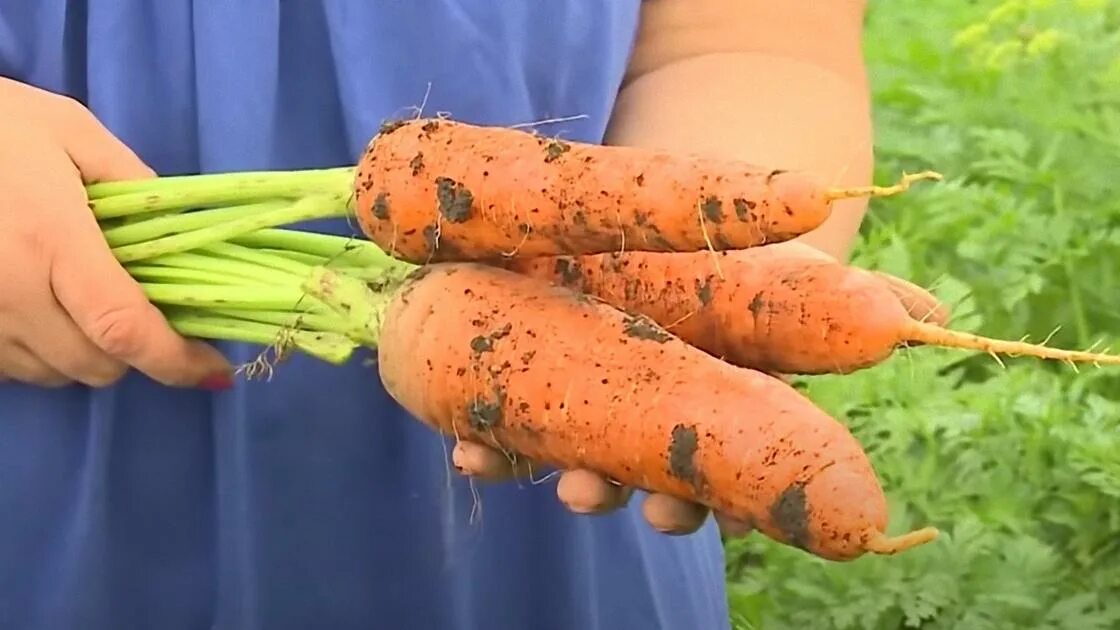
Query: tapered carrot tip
[(932, 335), (884, 545), (901, 186)]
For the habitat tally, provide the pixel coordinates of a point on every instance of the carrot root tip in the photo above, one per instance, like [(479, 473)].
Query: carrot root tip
[(932, 335), (881, 544), (903, 184)]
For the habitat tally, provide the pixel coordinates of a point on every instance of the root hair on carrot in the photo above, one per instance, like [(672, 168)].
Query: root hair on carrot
[(708, 238), (621, 233), (476, 497), (423, 102), (436, 232), (544, 479), (524, 233), (262, 364), (682, 319), (548, 121), (475, 517)]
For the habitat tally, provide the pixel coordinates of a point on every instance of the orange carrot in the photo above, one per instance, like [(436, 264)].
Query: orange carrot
[(770, 309), (496, 357), (431, 190)]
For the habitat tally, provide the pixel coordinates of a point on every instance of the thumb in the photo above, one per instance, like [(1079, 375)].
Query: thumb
[(99, 295), (921, 304), (99, 155), (113, 311)]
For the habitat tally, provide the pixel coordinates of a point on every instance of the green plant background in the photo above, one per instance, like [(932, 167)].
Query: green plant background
[(1017, 102)]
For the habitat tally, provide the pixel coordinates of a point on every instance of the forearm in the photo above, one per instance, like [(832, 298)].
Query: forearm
[(790, 108)]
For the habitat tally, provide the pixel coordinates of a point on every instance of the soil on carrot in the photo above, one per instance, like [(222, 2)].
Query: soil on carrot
[(790, 514), (381, 206), (643, 327), (683, 445)]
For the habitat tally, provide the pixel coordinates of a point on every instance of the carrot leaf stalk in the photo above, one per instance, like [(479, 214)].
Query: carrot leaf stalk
[(120, 199), (173, 235), (362, 303), (174, 223), (306, 209), (330, 347)]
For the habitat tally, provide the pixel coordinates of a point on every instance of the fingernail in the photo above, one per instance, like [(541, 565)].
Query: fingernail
[(217, 382)]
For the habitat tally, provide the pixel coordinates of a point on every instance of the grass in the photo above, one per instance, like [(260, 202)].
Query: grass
[(1018, 103)]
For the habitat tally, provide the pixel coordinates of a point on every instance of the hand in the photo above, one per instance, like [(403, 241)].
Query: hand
[(68, 311), (587, 492), (920, 303)]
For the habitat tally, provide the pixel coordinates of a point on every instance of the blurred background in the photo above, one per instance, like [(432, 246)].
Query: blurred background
[(1017, 102)]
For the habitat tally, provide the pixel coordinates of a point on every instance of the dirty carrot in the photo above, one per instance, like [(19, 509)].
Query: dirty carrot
[(430, 190), (772, 308), (434, 189), (488, 355)]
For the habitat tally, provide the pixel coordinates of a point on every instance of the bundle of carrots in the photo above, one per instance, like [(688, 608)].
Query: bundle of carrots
[(557, 300)]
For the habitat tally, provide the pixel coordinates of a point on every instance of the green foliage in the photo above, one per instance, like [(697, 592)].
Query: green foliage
[(1017, 102)]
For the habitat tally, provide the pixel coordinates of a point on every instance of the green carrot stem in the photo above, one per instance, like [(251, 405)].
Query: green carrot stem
[(164, 183), (300, 257), (117, 199), (330, 347), (153, 228), (228, 253), (180, 275), (140, 217), (240, 297), (377, 277), (236, 272), (316, 207), (327, 321), (354, 250), (352, 298)]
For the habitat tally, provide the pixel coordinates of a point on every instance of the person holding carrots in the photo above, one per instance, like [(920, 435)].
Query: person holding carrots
[(142, 487)]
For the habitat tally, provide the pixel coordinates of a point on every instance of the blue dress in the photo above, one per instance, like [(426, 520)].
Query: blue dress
[(311, 501)]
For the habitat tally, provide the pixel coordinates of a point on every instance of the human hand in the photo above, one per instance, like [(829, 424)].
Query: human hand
[(587, 492), (68, 310), (920, 303)]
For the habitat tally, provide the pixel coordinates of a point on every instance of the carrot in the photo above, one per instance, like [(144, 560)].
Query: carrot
[(492, 356), (431, 190), (770, 309)]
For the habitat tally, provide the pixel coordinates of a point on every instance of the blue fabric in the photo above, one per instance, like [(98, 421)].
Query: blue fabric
[(312, 500)]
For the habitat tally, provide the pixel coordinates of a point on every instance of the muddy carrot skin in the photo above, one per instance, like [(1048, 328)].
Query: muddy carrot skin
[(770, 310), (489, 355), (431, 190)]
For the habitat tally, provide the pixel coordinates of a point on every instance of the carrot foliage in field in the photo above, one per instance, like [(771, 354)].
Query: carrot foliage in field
[(1018, 104)]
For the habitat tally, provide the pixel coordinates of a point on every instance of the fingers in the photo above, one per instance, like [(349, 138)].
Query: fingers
[(587, 492), (921, 304), (106, 304), (17, 363), (584, 491), (98, 320), (490, 464), (731, 527), (673, 516), (796, 247), (111, 310), (67, 351), (99, 155)]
